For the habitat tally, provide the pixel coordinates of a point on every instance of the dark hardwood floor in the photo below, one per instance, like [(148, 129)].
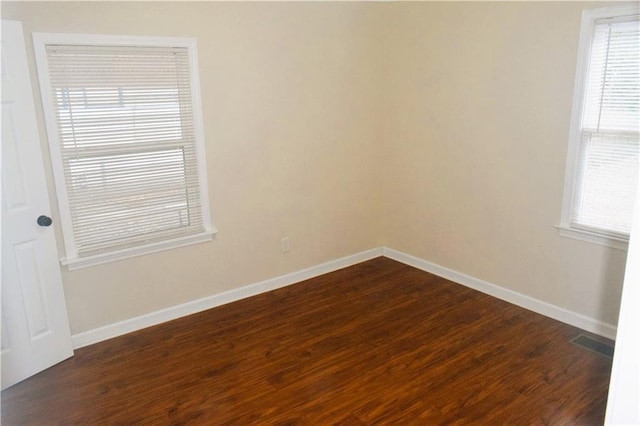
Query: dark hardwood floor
[(376, 343)]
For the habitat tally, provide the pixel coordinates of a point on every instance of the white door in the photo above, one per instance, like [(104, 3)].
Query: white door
[(35, 328)]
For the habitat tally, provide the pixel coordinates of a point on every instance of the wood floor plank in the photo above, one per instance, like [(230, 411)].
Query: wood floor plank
[(375, 343)]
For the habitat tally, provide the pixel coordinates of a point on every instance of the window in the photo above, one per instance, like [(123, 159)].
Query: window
[(603, 160), (124, 125)]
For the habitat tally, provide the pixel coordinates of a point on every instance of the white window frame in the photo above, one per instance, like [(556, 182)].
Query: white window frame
[(589, 18), (71, 259)]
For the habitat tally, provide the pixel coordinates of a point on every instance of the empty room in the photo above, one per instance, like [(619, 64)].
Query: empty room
[(320, 212)]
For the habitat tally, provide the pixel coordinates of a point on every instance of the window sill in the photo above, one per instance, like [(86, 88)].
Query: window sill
[(592, 237), (84, 262)]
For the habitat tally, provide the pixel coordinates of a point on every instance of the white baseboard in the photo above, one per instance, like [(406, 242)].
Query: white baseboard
[(519, 299), (552, 311), (127, 326)]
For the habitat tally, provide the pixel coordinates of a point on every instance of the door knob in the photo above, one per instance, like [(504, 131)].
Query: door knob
[(44, 220)]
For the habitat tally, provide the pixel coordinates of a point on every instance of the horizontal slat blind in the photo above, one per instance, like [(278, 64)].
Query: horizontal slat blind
[(608, 170), (126, 134)]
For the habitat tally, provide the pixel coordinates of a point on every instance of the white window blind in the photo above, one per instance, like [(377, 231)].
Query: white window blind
[(608, 164), (126, 144)]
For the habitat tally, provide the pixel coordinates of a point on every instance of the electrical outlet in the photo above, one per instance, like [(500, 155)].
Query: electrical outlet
[(285, 244)]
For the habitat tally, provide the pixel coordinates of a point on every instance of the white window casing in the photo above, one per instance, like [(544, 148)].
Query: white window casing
[(604, 140), (126, 140)]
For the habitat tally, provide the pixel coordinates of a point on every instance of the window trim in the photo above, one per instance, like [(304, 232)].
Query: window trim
[(71, 259), (565, 227)]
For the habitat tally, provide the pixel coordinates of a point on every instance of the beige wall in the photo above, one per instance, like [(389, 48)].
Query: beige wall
[(287, 94), (437, 129), (477, 121)]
